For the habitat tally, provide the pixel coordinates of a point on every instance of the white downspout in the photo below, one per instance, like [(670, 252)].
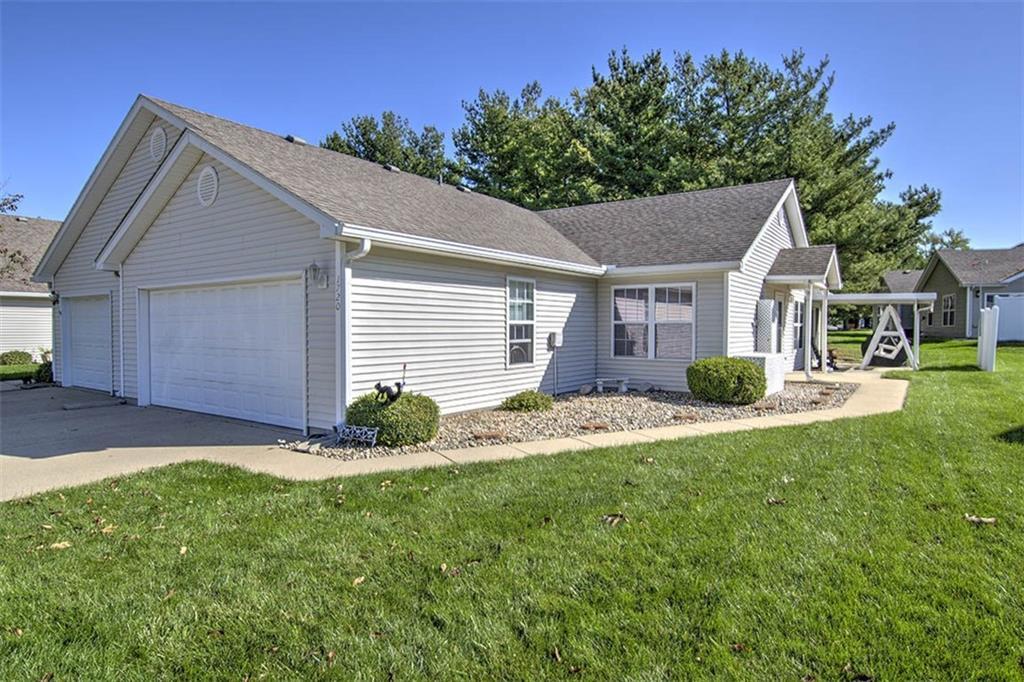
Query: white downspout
[(120, 323), (343, 324), (823, 346), (808, 324)]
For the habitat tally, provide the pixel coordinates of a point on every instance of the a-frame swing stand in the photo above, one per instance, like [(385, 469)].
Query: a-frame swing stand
[(887, 343)]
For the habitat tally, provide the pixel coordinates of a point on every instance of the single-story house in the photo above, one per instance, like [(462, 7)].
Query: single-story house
[(26, 312), (968, 280), (903, 282), (211, 266)]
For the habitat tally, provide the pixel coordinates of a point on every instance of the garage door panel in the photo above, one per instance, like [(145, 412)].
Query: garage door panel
[(89, 349), (230, 350)]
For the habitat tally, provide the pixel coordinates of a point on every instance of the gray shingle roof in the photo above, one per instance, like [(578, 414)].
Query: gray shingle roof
[(690, 227), (901, 281), (983, 266), (30, 236), (807, 260), (362, 193)]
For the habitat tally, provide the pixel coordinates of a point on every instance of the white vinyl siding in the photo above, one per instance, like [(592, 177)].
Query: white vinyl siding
[(77, 274), (25, 324), (445, 318), (747, 286), (246, 234), (667, 373)]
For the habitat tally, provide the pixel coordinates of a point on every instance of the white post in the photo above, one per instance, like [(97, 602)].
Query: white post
[(340, 397), (917, 336), (808, 319), (823, 346)]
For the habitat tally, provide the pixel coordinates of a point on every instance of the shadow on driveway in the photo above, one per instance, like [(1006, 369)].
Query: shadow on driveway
[(34, 424)]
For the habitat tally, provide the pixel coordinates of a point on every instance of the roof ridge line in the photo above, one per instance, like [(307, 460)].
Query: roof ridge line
[(668, 194)]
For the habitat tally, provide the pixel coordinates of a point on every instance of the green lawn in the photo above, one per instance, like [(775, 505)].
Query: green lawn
[(506, 570), (11, 372)]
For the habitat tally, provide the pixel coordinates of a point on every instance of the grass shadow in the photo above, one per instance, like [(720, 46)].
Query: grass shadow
[(1014, 436), (950, 368)]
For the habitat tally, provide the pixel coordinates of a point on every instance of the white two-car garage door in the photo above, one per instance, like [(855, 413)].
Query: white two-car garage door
[(232, 350), (86, 321)]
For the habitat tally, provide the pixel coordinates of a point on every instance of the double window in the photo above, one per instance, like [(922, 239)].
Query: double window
[(949, 310), (653, 321), (520, 321)]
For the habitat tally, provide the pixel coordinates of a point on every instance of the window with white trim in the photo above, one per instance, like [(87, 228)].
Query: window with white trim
[(949, 310), (653, 321), (520, 321), (798, 325)]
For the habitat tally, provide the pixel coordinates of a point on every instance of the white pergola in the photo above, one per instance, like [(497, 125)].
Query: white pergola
[(922, 302)]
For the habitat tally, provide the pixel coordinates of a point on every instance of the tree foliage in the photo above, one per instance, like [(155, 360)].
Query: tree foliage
[(645, 126), (10, 259), (392, 140)]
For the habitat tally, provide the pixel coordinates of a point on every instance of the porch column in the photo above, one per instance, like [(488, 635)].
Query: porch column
[(808, 323), (917, 336), (823, 330)]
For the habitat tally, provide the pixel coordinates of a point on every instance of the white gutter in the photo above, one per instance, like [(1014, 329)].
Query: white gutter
[(25, 294), (672, 269)]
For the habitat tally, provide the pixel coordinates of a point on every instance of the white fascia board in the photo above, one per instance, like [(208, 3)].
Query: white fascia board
[(796, 216), (119, 245), (613, 271), (802, 280), (408, 242), (1013, 278), (833, 267), (74, 223), (796, 227), (883, 298), (24, 294)]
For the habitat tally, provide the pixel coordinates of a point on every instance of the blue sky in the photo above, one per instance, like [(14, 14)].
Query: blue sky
[(948, 74)]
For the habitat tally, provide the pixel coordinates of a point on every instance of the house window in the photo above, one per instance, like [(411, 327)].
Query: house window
[(520, 321), (653, 321), (798, 325), (949, 310)]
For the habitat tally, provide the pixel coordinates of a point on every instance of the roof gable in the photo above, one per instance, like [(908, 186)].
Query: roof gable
[(983, 266), (807, 264), (901, 281)]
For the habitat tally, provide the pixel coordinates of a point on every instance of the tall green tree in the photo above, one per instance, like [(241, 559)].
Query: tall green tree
[(947, 239), (10, 258), (528, 150), (392, 140)]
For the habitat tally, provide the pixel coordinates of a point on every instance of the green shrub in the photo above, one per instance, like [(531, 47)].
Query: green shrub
[(411, 419), (528, 401), (44, 373), (16, 357), (726, 380)]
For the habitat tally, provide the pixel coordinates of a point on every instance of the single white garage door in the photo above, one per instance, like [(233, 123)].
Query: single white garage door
[(233, 350), (87, 356), (1011, 317)]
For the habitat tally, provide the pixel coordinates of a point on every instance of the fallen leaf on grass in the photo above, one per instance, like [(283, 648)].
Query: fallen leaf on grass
[(17, 632), (556, 655), (183, 551), (107, 530), (330, 658), (60, 545), (981, 520), (47, 526), (775, 501), (386, 484), (358, 581), (647, 460), (170, 593), (738, 647), (614, 519)]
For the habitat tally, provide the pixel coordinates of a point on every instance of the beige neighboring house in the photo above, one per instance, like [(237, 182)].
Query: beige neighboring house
[(211, 266), (967, 280), (26, 313)]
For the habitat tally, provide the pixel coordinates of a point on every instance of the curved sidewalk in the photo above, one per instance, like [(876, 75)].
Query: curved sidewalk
[(21, 476)]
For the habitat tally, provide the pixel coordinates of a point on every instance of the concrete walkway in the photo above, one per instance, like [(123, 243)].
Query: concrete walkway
[(52, 438)]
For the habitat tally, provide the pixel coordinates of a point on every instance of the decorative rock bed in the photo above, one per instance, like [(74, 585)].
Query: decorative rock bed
[(576, 415)]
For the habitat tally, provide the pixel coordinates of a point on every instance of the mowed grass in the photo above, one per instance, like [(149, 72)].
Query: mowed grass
[(507, 571), (17, 372)]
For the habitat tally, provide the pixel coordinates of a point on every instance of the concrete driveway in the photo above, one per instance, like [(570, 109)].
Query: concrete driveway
[(55, 437)]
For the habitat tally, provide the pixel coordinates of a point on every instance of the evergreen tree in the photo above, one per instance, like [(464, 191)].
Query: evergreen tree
[(391, 140)]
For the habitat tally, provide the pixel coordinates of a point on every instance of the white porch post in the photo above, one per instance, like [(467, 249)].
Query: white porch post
[(917, 336), (808, 323), (824, 331)]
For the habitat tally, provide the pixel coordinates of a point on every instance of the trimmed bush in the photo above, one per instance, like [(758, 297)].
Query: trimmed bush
[(16, 357), (44, 373), (726, 380), (528, 401), (411, 419)]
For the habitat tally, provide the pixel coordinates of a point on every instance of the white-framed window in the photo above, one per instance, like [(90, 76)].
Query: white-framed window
[(653, 321), (949, 310), (798, 325), (520, 320)]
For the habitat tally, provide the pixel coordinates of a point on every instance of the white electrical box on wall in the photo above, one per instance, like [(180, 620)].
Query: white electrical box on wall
[(555, 340)]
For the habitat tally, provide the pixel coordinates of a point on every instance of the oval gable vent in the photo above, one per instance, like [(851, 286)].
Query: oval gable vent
[(157, 144), (206, 188)]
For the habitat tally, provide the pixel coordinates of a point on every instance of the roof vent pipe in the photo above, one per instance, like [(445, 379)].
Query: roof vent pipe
[(390, 167), (463, 188), (295, 139)]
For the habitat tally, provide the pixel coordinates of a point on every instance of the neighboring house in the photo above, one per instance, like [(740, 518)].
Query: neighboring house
[(215, 267), (26, 313), (903, 282), (966, 281)]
